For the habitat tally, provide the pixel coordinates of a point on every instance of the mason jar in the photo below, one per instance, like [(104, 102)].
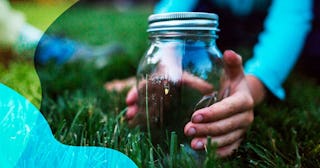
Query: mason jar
[(180, 72)]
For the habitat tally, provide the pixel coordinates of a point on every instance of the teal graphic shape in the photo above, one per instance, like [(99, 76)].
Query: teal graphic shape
[(26, 140)]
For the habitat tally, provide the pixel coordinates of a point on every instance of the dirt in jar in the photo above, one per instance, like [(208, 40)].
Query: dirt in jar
[(160, 98)]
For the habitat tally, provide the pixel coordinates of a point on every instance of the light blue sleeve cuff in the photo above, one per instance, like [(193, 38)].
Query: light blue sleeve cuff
[(280, 44), (175, 6)]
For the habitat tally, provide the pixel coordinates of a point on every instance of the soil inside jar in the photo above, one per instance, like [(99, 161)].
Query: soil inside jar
[(162, 101)]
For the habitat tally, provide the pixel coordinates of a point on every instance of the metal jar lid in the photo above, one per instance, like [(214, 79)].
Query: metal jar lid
[(183, 21)]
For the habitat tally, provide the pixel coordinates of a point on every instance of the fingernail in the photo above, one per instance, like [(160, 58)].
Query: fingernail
[(197, 118), (191, 131), (199, 145)]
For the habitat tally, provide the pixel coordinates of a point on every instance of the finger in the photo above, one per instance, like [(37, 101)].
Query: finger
[(132, 96), (229, 149), (220, 141), (223, 151), (131, 111), (120, 85), (196, 83), (233, 64), (240, 120), (227, 107)]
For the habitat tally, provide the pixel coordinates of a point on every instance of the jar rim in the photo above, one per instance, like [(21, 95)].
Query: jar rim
[(181, 16), (183, 21)]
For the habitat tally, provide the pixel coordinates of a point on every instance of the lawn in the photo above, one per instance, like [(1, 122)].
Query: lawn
[(81, 112)]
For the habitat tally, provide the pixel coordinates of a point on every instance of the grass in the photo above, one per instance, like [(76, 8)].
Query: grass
[(81, 112), (22, 77)]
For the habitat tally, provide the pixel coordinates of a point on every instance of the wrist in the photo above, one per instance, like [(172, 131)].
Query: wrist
[(257, 89)]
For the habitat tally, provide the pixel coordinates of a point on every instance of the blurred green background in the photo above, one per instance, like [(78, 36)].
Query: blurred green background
[(81, 112), (21, 74)]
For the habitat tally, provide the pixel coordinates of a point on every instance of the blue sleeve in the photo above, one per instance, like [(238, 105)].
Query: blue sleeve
[(280, 44), (175, 6)]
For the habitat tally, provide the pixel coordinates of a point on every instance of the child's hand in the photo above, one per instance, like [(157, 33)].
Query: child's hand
[(227, 121)]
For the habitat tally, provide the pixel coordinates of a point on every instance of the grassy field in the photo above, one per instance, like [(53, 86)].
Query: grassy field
[(81, 112)]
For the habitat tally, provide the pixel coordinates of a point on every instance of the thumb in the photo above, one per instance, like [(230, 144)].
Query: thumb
[(232, 64), (132, 96)]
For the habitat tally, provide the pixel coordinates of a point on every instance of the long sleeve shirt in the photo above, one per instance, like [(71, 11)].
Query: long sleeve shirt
[(279, 44)]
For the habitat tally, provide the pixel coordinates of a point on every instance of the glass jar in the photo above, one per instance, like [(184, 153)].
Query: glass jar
[(180, 72)]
